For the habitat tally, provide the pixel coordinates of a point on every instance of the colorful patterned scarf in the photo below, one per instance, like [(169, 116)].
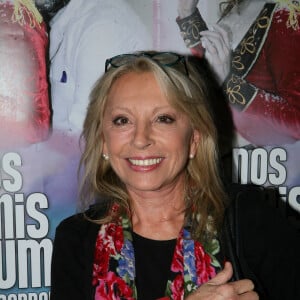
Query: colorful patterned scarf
[(191, 264)]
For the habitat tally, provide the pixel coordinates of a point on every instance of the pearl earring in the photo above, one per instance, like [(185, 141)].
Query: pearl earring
[(105, 156), (191, 156)]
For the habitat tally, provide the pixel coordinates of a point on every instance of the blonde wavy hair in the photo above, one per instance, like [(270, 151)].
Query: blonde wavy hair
[(188, 93)]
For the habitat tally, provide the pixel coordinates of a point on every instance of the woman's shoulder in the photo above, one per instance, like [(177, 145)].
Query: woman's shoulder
[(265, 245), (81, 223), (257, 221), (253, 204), (75, 231), (77, 221)]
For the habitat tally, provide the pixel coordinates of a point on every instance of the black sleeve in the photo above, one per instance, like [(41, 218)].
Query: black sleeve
[(268, 245), (72, 259)]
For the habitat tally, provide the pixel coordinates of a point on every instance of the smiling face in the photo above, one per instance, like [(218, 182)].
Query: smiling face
[(147, 140)]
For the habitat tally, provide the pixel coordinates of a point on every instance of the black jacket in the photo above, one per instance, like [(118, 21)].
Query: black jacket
[(261, 244), (258, 241)]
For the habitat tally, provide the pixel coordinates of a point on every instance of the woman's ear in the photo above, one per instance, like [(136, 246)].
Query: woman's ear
[(104, 148), (195, 140)]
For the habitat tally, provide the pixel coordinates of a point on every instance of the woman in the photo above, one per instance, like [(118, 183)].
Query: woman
[(150, 161)]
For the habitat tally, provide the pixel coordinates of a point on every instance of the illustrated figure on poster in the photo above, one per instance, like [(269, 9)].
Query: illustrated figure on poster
[(84, 33), (260, 76), (24, 99)]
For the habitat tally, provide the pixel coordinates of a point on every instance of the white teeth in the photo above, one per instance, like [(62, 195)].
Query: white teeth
[(145, 162)]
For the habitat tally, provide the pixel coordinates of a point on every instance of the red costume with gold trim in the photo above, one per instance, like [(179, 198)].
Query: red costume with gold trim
[(263, 86)]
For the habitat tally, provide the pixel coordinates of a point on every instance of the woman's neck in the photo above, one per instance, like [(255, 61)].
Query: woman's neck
[(158, 216)]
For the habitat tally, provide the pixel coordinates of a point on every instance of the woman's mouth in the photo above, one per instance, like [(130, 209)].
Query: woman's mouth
[(145, 162)]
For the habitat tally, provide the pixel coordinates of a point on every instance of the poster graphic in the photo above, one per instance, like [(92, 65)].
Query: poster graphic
[(51, 54)]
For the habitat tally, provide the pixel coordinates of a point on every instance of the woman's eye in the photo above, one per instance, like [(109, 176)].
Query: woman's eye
[(119, 121), (165, 119)]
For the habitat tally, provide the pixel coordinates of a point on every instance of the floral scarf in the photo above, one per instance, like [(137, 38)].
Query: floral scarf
[(114, 264)]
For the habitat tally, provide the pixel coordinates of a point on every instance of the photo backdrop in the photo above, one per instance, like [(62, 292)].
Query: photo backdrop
[(48, 67)]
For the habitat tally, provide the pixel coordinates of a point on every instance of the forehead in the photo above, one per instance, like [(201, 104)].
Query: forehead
[(133, 79), (143, 86)]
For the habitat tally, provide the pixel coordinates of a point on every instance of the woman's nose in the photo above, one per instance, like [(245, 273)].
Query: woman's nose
[(142, 137)]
